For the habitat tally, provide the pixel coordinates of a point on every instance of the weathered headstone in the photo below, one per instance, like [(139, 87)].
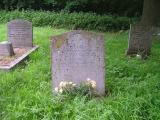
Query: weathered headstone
[(78, 56), (140, 39), (6, 49), (20, 33)]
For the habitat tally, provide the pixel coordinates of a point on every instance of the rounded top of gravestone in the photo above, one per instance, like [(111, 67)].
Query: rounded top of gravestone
[(19, 21), (82, 32), (59, 40)]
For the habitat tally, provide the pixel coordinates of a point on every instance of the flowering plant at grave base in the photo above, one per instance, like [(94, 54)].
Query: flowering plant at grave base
[(66, 87), (91, 83)]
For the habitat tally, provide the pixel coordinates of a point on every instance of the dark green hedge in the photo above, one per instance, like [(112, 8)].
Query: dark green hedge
[(116, 7), (87, 21)]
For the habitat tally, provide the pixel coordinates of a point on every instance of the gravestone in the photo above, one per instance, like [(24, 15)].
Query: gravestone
[(78, 56), (140, 38), (20, 33), (6, 49)]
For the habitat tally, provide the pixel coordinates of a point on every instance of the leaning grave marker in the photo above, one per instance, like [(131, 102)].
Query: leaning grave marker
[(20, 35), (78, 56)]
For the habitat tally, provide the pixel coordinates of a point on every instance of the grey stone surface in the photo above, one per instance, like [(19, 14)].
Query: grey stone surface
[(6, 49), (78, 56), (140, 38), (20, 33)]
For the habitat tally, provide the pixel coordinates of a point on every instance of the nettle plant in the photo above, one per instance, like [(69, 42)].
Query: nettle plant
[(87, 88)]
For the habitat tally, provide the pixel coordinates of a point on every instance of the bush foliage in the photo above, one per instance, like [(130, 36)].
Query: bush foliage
[(87, 21), (118, 7)]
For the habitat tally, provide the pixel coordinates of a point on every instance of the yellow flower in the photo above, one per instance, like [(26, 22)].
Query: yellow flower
[(61, 84), (64, 85), (61, 90), (91, 83), (70, 83)]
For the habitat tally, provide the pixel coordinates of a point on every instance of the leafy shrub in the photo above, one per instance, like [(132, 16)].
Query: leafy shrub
[(118, 7), (86, 21)]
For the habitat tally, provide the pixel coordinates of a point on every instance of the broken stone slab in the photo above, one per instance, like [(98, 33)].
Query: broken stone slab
[(6, 49)]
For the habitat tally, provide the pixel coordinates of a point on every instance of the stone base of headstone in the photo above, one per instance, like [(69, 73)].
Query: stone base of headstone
[(6, 49), (140, 40), (8, 63)]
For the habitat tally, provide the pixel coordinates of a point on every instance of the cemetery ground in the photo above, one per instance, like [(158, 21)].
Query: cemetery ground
[(133, 85)]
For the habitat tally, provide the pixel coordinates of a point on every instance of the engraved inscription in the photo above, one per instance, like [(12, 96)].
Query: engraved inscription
[(20, 33), (139, 36)]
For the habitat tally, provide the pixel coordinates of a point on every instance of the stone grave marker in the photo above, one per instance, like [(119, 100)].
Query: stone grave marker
[(140, 38), (6, 49), (20, 33), (78, 56), (19, 45)]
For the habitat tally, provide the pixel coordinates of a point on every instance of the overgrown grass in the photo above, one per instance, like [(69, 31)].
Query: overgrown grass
[(133, 85)]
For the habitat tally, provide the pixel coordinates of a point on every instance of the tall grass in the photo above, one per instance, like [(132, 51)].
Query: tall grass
[(133, 85)]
